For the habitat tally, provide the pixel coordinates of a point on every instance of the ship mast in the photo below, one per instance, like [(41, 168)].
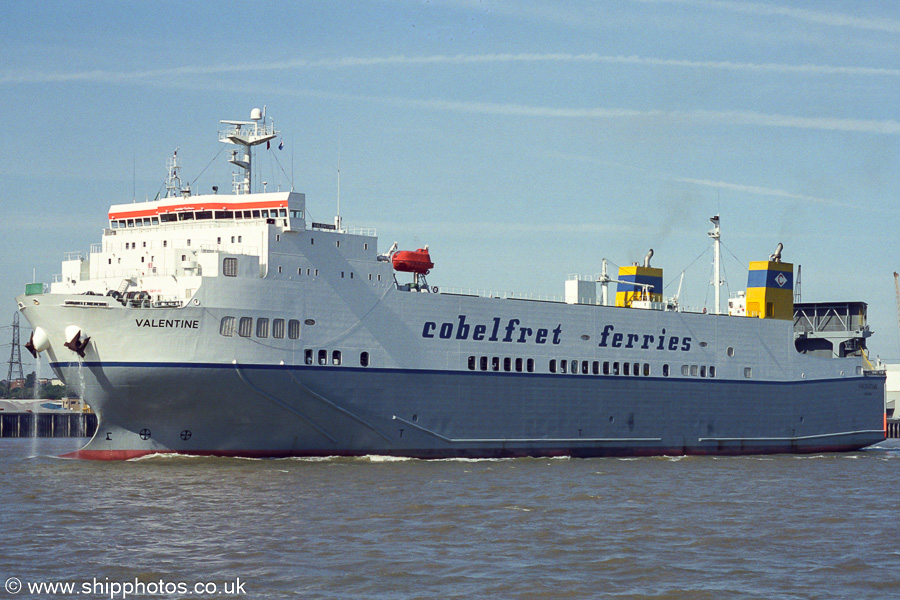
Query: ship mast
[(246, 134), (717, 272)]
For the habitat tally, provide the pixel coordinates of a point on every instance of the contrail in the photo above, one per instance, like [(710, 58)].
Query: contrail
[(801, 14), (100, 75)]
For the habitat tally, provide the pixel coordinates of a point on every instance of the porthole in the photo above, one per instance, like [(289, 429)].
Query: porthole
[(729, 351), (309, 322), (585, 337), (703, 344)]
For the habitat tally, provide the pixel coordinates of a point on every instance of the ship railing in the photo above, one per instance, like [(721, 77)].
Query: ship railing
[(72, 256), (363, 231), (96, 248), (500, 295)]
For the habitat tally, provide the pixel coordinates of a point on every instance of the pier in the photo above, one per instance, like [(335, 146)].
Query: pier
[(893, 428), (47, 424)]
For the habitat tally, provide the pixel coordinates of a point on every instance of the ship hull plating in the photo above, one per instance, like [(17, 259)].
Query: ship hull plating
[(278, 411)]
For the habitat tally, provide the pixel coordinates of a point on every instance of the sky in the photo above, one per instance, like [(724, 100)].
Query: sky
[(521, 141)]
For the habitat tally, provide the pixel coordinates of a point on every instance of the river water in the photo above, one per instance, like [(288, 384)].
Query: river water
[(820, 526)]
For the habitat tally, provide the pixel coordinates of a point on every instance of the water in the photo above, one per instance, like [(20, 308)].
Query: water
[(822, 526)]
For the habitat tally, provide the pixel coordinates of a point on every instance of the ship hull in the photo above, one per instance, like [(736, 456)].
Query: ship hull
[(280, 411)]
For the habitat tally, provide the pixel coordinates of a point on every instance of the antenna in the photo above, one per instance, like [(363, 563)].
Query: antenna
[(337, 220)]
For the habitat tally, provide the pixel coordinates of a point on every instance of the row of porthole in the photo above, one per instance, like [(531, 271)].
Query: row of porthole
[(245, 327), (586, 367), (320, 357), (496, 363)]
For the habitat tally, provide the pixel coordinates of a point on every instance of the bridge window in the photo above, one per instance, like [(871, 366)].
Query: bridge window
[(262, 328), (229, 267)]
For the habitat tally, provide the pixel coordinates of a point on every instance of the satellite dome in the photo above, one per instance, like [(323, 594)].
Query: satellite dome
[(255, 114)]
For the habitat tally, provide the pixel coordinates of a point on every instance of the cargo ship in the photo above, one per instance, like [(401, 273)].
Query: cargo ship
[(231, 325)]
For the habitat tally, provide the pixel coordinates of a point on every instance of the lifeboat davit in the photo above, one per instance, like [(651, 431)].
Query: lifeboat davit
[(412, 261)]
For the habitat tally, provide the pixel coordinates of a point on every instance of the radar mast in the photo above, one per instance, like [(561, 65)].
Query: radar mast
[(246, 134)]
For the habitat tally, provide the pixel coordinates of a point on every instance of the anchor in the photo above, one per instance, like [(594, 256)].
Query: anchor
[(30, 346), (77, 345)]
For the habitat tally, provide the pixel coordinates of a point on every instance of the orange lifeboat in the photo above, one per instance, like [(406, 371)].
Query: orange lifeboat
[(412, 261)]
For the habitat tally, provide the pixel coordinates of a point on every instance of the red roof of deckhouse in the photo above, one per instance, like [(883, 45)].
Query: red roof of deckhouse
[(196, 203)]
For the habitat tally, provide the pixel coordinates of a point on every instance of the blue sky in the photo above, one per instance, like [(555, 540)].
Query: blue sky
[(522, 141)]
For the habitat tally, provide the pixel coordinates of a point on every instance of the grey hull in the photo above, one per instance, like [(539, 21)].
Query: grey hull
[(273, 411)]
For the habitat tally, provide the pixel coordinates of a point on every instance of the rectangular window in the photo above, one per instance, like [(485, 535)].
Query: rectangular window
[(364, 359), (646, 369), (278, 328), (293, 329), (483, 362), (471, 363), (529, 365), (615, 368), (518, 365), (307, 356), (694, 370), (323, 357), (507, 364), (712, 371), (685, 370), (626, 367), (702, 370), (637, 369), (748, 372), (336, 357), (495, 363), (606, 367), (584, 367), (595, 367), (563, 366), (245, 327), (553, 365), (665, 370), (262, 328), (229, 267), (226, 327)]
